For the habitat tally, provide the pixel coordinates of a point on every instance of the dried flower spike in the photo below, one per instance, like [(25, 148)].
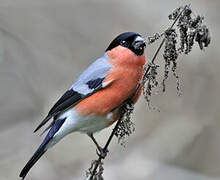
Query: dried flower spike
[(126, 126), (150, 82), (170, 54), (98, 174), (203, 37), (191, 30), (152, 39)]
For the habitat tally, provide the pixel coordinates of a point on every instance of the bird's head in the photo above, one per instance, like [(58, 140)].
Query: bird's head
[(130, 40)]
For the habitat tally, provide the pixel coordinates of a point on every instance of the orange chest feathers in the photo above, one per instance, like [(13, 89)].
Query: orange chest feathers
[(124, 77)]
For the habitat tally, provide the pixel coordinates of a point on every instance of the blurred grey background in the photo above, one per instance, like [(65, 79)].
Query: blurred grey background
[(46, 44)]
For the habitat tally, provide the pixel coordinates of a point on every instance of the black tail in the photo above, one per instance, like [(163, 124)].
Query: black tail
[(42, 148), (40, 151)]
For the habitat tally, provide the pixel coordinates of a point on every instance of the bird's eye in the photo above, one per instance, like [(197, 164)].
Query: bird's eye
[(140, 48), (124, 43)]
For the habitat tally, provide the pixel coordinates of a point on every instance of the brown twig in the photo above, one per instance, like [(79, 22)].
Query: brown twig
[(162, 42), (106, 147), (125, 104)]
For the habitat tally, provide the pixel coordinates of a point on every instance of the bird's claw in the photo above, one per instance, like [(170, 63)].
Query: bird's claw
[(130, 107), (101, 152)]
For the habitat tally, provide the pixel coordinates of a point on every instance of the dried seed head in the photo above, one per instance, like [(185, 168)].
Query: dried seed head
[(187, 12), (175, 13), (170, 54), (183, 25), (196, 22), (150, 82), (190, 40), (191, 29), (203, 36), (98, 174), (152, 39), (126, 126)]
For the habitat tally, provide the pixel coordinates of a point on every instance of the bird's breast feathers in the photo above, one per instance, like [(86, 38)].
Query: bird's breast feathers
[(121, 81)]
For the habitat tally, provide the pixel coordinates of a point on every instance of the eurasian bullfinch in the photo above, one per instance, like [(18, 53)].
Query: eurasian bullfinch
[(93, 101)]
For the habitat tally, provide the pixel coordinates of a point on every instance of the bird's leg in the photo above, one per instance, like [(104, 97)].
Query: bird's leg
[(102, 152), (96, 143)]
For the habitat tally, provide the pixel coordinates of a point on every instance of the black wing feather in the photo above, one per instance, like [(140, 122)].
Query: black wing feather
[(69, 99), (92, 84)]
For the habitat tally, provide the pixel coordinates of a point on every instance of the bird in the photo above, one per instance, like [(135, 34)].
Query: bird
[(94, 100)]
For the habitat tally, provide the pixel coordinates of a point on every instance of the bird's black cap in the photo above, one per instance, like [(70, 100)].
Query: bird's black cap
[(128, 40)]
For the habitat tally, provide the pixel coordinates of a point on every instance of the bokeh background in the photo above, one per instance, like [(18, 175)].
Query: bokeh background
[(46, 44)]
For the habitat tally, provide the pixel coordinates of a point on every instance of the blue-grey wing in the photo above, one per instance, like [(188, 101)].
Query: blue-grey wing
[(87, 83), (92, 77)]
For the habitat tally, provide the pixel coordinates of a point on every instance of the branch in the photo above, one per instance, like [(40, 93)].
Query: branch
[(190, 30), (162, 42), (124, 108)]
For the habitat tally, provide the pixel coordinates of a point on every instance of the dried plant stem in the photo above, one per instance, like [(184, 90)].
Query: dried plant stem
[(162, 42), (109, 139), (125, 111), (105, 148)]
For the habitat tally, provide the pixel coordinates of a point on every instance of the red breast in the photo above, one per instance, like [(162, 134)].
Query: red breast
[(126, 73)]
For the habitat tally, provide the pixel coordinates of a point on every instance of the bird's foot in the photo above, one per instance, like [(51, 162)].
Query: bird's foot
[(129, 105), (102, 152)]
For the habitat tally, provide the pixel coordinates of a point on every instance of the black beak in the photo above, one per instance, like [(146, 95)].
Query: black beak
[(139, 43)]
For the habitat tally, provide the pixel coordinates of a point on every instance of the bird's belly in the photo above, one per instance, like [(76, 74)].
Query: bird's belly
[(76, 123), (93, 123), (84, 124)]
